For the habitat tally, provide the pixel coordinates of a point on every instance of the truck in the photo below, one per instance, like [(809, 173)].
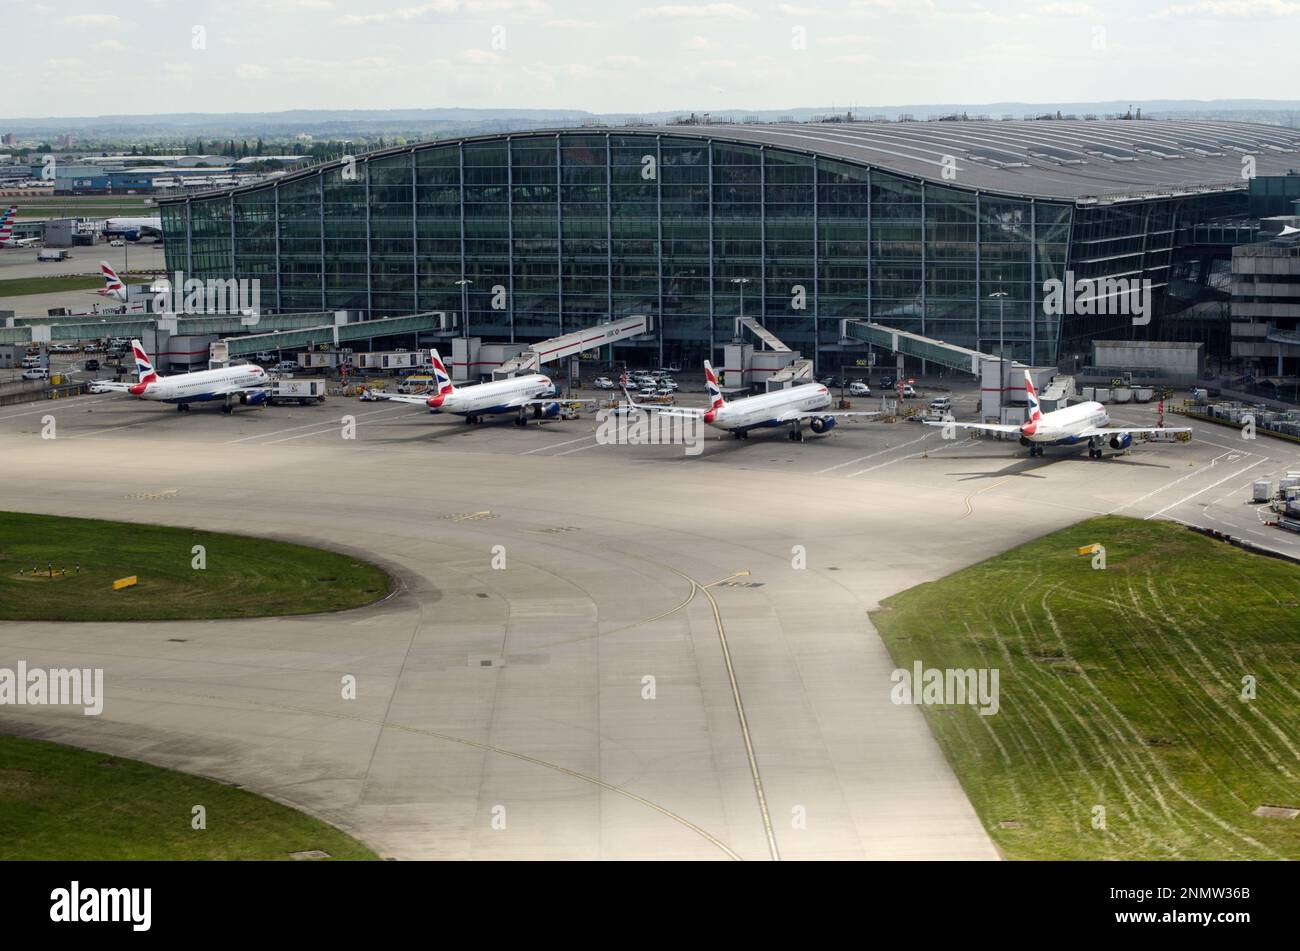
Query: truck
[(301, 392), (52, 254)]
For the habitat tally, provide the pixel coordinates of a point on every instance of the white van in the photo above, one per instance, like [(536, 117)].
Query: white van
[(941, 405)]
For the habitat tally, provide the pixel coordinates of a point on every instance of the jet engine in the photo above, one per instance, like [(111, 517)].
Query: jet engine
[(1121, 441), (822, 424)]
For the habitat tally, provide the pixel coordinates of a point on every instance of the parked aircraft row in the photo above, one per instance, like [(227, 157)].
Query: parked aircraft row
[(535, 395), (7, 239)]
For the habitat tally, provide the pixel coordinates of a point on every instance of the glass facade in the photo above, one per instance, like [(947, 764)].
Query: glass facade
[(560, 231)]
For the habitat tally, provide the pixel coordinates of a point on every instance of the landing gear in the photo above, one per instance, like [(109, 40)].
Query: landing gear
[(1035, 451), (227, 408), (796, 435), (182, 407), (521, 420), (471, 420), (1094, 449), (739, 434)]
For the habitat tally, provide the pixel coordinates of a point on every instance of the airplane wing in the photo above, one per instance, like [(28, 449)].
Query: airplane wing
[(983, 427), (1132, 430), (235, 390), (413, 399), (555, 399), (791, 416), (681, 412)]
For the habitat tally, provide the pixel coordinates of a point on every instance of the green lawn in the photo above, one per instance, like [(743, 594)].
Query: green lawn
[(1119, 688), (57, 802), (244, 577), (80, 206), (23, 286)]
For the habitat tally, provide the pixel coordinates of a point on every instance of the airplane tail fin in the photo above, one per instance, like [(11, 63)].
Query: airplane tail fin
[(143, 367), (1035, 408), (113, 286), (714, 389), (7, 221), (441, 378)]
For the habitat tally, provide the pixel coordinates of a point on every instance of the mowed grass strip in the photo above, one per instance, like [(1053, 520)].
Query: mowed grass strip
[(57, 802), (1121, 693), (243, 577), (23, 286)]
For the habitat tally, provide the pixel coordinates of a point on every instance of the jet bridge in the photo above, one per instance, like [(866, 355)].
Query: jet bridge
[(470, 356), (774, 365), (1002, 381)]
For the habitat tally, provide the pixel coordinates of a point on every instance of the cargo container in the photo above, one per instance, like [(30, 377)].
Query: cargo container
[(297, 391), (1263, 490)]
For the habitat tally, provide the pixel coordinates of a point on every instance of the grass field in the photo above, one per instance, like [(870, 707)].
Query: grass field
[(244, 577), (22, 286), (1119, 688), (57, 802), (80, 206)]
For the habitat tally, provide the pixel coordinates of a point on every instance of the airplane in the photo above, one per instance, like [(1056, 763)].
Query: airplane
[(1066, 427), (788, 407), (247, 384), (137, 297), (7, 239), (517, 395), (132, 229)]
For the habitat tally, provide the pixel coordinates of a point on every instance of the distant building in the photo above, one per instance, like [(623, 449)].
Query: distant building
[(1266, 306)]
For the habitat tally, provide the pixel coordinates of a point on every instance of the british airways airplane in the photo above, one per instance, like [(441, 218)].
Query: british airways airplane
[(1083, 422), (520, 396), (791, 407), (243, 384)]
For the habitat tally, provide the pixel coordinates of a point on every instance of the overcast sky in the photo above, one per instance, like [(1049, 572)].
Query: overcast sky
[(619, 56)]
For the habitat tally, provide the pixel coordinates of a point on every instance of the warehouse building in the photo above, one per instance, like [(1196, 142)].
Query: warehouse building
[(946, 228)]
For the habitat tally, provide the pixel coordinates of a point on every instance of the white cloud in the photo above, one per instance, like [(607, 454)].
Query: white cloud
[(702, 43), (252, 71), (702, 11), (93, 20)]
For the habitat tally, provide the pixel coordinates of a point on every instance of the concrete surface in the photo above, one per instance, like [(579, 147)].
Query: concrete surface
[(519, 693)]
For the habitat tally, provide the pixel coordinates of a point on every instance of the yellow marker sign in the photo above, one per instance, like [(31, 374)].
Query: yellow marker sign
[(1090, 549), (121, 583)]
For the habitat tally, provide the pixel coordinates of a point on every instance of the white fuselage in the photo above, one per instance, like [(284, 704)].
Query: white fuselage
[(766, 409), (203, 385), (498, 396), (1063, 426)]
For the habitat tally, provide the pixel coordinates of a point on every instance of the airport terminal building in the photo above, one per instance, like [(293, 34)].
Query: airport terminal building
[(917, 225)]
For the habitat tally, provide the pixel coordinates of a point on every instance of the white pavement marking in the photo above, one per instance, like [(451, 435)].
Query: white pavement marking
[(1168, 485), (871, 455), (59, 403), (914, 455), (291, 429), (1232, 475), (556, 445)]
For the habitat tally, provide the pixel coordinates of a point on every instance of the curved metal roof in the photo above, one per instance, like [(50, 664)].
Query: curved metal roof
[(1083, 160)]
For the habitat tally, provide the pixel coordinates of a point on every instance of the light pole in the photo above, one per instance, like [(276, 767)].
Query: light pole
[(464, 284), (1002, 359), (741, 282)]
